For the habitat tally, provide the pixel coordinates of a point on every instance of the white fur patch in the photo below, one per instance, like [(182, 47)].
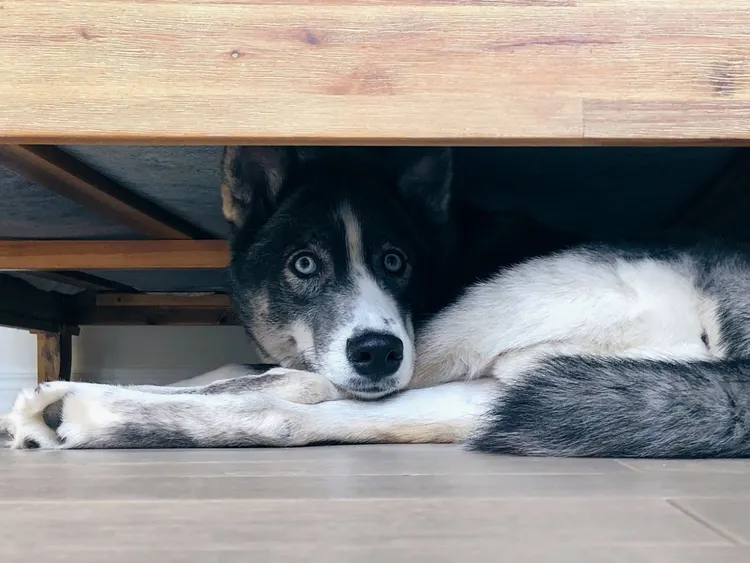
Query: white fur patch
[(353, 234), (571, 303), (25, 421), (95, 414), (372, 310), (444, 414)]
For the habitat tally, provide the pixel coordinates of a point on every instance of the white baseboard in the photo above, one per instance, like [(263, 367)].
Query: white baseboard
[(12, 382), (137, 376)]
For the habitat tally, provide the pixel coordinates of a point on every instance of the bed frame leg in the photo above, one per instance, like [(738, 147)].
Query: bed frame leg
[(54, 356)]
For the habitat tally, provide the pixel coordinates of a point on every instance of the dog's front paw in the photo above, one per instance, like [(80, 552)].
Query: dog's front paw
[(35, 416), (59, 414)]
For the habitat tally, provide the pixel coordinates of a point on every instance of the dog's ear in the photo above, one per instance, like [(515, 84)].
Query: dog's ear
[(424, 180), (251, 180)]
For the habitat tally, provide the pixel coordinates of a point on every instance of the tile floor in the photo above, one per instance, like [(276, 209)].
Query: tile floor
[(367, 504)]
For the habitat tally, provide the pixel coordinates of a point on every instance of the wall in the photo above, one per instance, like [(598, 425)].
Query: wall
[(156, 355), (17, 364)]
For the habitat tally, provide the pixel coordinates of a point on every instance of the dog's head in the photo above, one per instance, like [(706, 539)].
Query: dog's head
[(335, 253)]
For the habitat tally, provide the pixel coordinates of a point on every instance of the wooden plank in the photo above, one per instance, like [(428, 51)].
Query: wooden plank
[(169, 309), (54, 356), (375, 72), (155, 316), (722, 203), (690, 122), (113, 255), (62, 173), (119, 309), (187, 301)]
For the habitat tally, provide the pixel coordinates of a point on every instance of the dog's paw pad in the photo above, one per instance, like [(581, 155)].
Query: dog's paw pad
[(52, 414), (30, 444), (36, 415)]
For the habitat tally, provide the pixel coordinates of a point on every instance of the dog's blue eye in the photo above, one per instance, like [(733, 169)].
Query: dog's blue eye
[(306, 265), (393, 262)]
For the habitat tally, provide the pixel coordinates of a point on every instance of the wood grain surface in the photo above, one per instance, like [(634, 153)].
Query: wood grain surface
[(54, 356), (113, 255), (368, 504), (381, 71)]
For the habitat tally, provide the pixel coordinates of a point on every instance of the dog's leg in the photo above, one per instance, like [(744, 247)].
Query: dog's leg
[(510, 366), (69, 416), (560, 305), (225, 372), (290, 384), (221, 374), (42, 402)]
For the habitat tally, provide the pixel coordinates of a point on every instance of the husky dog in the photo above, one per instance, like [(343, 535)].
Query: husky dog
[(393, 317)]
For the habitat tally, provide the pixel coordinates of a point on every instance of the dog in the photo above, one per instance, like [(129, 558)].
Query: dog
[(392, 316)]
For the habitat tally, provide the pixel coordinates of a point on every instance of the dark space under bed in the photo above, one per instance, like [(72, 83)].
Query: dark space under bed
[(593, 191)]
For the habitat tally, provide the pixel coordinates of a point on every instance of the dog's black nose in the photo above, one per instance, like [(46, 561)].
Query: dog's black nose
[(375, 354)]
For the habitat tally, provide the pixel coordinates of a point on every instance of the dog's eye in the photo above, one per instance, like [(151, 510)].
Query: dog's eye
[(394, 262), (305, 265)]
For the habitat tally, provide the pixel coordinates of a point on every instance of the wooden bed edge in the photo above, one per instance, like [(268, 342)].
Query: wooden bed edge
[(92, 139)]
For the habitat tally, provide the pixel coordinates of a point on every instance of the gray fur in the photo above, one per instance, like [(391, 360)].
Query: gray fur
[(589, 407), (239, 385)]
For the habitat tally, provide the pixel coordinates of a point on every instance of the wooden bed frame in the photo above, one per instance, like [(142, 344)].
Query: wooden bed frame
[(448, 72)]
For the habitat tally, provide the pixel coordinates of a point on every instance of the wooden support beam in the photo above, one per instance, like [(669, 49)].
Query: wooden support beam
[(24, 306), (154, 309), (113, 255), (62, 173), (54, 356), (178, 300), (155, 316), (82, 280), (724, 202)]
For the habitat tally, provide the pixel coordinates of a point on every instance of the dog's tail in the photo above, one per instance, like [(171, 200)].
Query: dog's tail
[(586, 407)]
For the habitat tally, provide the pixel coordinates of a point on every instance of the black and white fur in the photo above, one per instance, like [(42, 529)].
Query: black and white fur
[(593, 350)]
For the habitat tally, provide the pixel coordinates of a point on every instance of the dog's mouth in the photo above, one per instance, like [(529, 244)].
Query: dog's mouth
[(368, 391), (355, 386)]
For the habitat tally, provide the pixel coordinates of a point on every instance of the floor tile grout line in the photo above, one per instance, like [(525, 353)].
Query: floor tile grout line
[(374, 499), (626, 465), (273, 545), (270, 475), (715, 528)]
